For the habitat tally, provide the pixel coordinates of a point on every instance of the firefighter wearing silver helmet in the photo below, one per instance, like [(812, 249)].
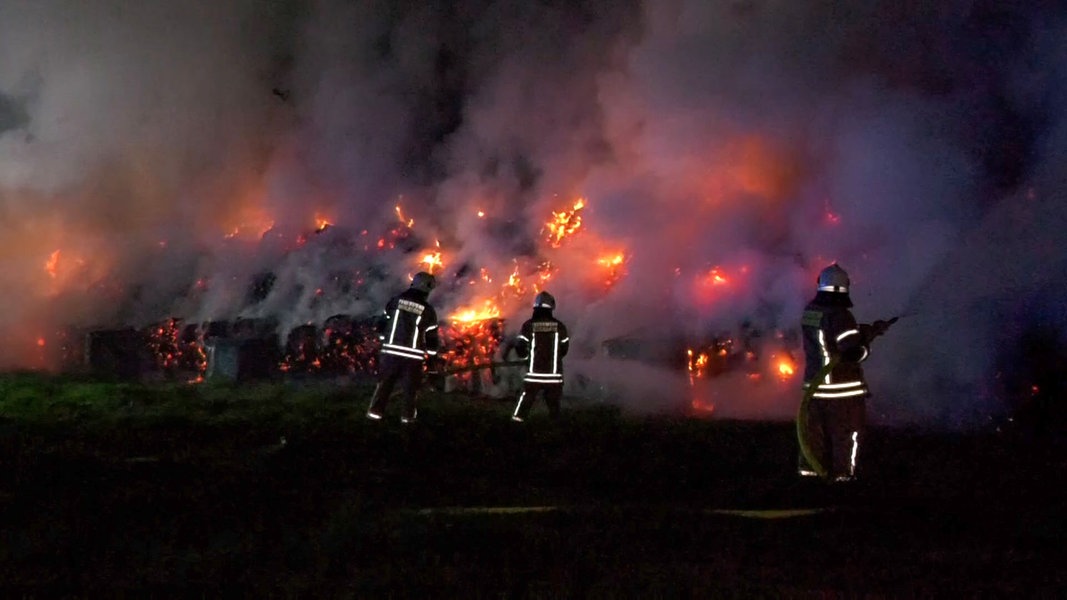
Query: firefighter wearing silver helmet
[(408, 335), (832, 415), (543, 342)]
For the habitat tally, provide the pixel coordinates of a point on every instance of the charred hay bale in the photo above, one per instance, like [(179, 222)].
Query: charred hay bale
[(250, 351), (117, 353), (302, 352)]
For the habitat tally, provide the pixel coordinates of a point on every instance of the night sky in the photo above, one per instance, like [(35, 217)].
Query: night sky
[(919, 146)]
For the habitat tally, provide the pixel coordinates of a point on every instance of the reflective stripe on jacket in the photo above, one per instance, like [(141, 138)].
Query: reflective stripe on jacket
[(409, 329), (832, 331), (543, 341)]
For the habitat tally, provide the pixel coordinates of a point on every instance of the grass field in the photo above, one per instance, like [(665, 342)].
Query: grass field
[(286, 490)]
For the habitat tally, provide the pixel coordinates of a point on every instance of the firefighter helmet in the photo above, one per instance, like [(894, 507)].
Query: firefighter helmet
[(833, 279), (544, 300), (423, 281)]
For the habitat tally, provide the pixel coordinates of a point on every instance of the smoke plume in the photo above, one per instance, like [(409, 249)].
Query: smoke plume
[(156, 158)]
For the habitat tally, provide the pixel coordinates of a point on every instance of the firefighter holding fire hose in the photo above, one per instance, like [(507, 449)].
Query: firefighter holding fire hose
[(409, 336), (832, 413), (542, 342)]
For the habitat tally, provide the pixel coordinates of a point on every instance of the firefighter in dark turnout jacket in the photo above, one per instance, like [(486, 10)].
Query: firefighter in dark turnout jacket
[(542, 342), (832, 415), (408, 335)]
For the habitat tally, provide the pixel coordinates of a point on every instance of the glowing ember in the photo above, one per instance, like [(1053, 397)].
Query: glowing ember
[(260, 229), (564, 223), (545, 271), (40, 342), (697, 364), (831, 217), (470, 343), (702, 406), (175, 348), (302, 352), (715, 277), (321, 223), (348, 346)]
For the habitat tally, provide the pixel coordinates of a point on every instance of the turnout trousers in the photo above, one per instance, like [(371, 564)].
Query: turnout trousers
[(552, 393), (391, 370), (830, 431)]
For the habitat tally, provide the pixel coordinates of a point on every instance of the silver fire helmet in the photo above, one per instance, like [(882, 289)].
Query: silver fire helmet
[(833, 279)]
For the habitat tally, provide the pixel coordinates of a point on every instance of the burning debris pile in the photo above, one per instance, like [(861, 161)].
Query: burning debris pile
[(262, 340), (469, 345)]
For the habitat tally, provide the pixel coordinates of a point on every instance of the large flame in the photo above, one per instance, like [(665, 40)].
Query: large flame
[(487, 310), (565, 223)]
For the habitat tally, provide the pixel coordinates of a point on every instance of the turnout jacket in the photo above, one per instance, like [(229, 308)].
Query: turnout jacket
[(830, 331), (409, 329), (543, 341)]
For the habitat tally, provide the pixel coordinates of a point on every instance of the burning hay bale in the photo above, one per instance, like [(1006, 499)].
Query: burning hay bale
[(470, 344), (349, 345), (177, 349)]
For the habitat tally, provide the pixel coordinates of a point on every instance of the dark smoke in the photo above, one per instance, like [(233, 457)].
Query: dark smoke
[(918, 145)]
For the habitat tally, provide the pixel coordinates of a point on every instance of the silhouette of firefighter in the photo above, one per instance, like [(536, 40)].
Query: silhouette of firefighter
[(409, 336), (543, 342), (830, 423)]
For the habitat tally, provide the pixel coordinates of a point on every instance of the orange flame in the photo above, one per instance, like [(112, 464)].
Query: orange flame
[(513, 280), (51, 264), (697, 364), (489, 310), (321, 223), (400, 215), (564, 223), (432, 262), (613, 263), (786, 368)]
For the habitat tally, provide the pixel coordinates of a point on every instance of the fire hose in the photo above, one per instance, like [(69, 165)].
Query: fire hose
[(805, 445)]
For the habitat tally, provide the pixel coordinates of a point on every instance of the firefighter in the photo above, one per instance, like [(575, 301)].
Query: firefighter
[(832, 414), (542, 342), (409, 337)]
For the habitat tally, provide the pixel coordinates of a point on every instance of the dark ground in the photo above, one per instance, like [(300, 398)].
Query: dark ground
[(604, 506)]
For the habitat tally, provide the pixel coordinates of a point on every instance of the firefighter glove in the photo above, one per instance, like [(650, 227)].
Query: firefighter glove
[(879, 327)]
